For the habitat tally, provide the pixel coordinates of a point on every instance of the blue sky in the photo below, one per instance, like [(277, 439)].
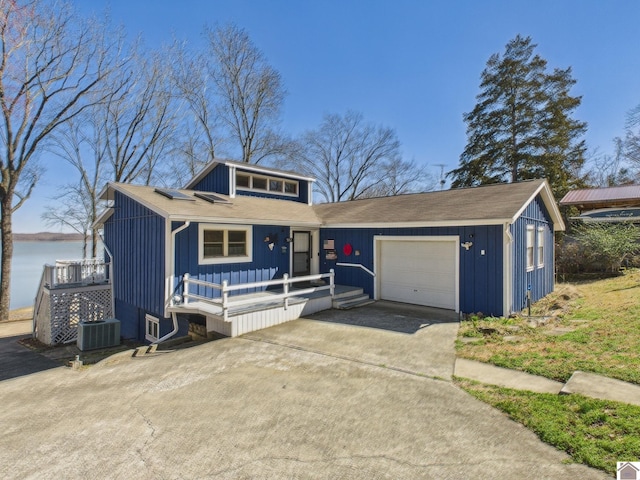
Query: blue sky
[(407, 64)]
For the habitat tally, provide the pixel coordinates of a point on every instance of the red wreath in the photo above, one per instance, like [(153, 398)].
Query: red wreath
[(347, 249)]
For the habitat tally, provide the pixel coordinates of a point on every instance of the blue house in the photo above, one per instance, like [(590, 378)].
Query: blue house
[(225, 253)]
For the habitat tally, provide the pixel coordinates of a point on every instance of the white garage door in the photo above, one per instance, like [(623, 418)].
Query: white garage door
[(419, 272)]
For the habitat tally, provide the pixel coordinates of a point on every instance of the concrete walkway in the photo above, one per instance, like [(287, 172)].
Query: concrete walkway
[(587, 384)]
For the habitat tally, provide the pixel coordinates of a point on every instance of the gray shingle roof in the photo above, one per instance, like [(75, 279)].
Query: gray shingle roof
[(241, 209), (490, 203)]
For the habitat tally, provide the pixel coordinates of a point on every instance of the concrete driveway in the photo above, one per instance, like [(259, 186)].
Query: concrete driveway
[(399, 336), (267, 407)]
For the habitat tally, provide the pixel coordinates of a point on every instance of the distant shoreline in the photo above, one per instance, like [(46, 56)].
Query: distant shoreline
[(48, 237)]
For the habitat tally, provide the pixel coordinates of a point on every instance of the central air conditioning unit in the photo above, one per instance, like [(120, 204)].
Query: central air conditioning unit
[(99, 334)]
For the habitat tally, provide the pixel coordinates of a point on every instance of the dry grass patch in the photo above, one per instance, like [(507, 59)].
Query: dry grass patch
[(591, 326)]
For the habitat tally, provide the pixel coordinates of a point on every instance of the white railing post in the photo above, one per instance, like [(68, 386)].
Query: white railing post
[(332, 283), (225, 298), (285, 286), (185, 288)]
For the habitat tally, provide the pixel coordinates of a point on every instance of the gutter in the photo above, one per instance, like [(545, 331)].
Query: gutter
[(172, 272)]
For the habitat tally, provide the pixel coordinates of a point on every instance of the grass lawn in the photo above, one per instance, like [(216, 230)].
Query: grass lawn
[(591, 326), (598, 433)]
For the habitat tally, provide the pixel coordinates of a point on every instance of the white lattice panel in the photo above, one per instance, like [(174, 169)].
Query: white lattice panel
[(58, 321)]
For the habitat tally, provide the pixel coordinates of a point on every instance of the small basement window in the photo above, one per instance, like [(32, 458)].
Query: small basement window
[(151, 328), (224, 244)]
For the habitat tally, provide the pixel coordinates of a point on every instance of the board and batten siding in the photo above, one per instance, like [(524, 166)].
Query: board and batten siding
[(267, 264), (480, 276), (541, 279), (216, 181), (136, 238)]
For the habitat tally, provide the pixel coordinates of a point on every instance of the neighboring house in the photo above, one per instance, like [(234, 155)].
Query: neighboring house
[(612, 204), (469, 250)]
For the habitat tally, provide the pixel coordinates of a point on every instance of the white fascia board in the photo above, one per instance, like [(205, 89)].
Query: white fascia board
[(103, 217), (547, 197), (200, 175), (446, 223), (243, 221), (268, 171), (150, 206), (104, 193)]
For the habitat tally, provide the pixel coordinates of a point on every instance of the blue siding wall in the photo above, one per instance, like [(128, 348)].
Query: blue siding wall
[(481, 276), (541, 279), (136, 238), (217, 181), (266, 265)]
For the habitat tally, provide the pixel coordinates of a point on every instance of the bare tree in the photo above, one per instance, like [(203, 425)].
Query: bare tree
[(53, 66), (250, 93), (348, 157), (401, 176), (121, 139), (632, 142), (78, 206), (610, 170), (134, 125), (75, 210), (199, 127)]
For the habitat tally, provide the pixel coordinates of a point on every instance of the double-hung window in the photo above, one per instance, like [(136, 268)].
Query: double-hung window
[(540, 247), (224, 244), (531, 238)]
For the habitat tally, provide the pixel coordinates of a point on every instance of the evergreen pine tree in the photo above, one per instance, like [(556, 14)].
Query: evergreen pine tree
[(521, 127)]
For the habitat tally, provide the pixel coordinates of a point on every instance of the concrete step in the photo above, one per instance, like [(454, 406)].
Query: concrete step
[(352, 302)]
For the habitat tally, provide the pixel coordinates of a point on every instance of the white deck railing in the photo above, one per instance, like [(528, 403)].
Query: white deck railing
[(225, 303), (84, 272), (356, 265)]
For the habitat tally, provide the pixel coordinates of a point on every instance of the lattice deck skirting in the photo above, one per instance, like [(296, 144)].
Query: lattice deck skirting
[(59, 310)]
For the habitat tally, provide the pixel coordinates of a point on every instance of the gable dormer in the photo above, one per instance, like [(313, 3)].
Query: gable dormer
[(237, 178)]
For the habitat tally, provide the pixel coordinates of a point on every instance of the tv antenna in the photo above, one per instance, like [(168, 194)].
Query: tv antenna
[(442, 180)]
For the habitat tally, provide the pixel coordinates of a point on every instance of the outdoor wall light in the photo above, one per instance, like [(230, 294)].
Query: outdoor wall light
[(466, 245)]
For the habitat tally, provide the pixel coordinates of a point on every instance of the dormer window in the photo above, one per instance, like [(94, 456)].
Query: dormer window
[(263, 183)]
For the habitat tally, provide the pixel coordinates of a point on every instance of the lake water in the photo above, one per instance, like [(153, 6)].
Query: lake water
[(29, 259)]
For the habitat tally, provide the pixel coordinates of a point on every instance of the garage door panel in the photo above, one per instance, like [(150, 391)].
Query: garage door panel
[(419, 272)]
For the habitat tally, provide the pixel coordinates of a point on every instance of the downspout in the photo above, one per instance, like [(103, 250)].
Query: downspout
[(172, 275), (113, 298)]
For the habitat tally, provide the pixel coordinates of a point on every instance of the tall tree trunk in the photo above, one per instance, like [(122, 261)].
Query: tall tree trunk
[(94, 243), (6, 255)]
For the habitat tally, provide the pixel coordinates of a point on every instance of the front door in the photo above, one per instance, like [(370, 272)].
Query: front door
[(301, 254)]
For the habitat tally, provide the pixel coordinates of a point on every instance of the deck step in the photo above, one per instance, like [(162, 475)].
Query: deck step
[(352, 302)]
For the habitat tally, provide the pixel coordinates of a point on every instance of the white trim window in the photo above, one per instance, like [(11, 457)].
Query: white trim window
[(531, 239), (224, 244), (261, 183), (540, 247), (151, 328)]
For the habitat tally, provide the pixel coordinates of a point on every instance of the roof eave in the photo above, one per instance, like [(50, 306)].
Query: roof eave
[(547, 197)]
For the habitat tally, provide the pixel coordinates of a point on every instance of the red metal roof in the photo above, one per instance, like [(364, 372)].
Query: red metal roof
[(613, 195)]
